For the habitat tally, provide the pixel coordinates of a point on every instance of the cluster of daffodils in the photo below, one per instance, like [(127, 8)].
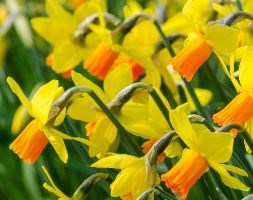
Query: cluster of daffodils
[(132, 91)]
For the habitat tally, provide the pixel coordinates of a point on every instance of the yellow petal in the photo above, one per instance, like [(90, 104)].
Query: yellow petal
[(88, 8), (103, 136), (177, 24), (152, 77), (80, 80), (119, 161), (43, 100), (57, 142), (144, 128), (117, 80), (131, 8), (139, 43), (182, 126), (19, 120), (84, 109), (217, 147), (195, 11), (57, 12), (53, 189), (49, 30), (122, 184), (78, 139), (174, 149), (230, 76), (236, 170), (64, 58), (227, 179), (245, 71), (134, 111), (224, 9), (223, 39), (139, 184), (18, 91)]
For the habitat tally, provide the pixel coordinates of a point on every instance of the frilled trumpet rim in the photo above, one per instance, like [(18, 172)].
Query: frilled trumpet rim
[(101, 60), (190, 59), (239, 110), (185, 173), (30, 143)]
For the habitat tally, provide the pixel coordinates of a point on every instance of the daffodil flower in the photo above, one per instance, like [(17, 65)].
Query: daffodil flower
[(59, 28), (240, 109), (36, 135), (205, 149), (221, 40), (100, 129), (132, 180)]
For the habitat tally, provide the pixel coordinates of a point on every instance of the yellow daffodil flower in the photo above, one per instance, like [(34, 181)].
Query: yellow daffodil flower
[(240, 109), (36, 135), (100, 129), (132, 179), (59, 28), (219, 39), (205, 149)]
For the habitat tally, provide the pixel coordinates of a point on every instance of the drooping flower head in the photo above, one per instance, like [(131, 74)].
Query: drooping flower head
[(35, 136), (101, 131), (59, 29), (240, 109), (205, 149), (132, 180), (214, 38)]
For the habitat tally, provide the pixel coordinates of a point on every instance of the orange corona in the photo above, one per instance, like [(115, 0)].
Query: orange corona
[(90, 128), (190, 59), (30, 143), (101, 60), (185, 173), (239, 110)]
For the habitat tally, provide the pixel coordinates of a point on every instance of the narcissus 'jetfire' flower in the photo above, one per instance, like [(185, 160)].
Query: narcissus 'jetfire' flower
[(206, 149), (216, 38), (240, 109), (132, 180), (100, 61), (100, 129), (34, 138), (59, 29)]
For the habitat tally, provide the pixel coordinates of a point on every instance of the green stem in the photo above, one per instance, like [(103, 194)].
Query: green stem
[(217, 84), (168, 95), (196, 101), (164, 39), (247, 139), (238, 5), (161, 106)]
